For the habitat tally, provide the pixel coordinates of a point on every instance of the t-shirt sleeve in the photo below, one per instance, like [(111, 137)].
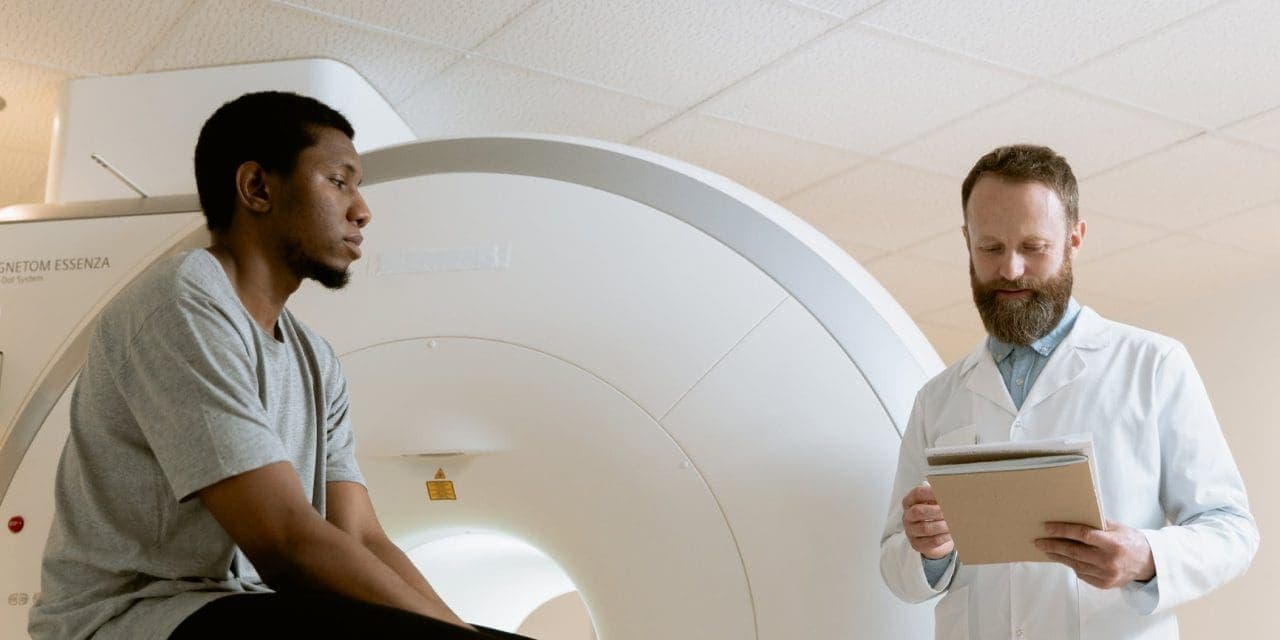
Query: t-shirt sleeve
[(340, 448), (191, 383)]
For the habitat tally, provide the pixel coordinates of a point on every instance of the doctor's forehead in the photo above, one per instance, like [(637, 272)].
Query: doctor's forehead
[(996, 201)]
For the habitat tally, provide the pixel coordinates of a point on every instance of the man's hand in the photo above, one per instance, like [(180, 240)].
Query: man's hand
[(1105, 559), (924, 525)]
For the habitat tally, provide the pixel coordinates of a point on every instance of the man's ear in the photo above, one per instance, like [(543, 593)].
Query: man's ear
[(1075, 238), (252, 191)]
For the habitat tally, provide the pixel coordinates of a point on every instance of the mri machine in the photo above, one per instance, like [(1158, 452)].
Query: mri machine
[(685, 397)]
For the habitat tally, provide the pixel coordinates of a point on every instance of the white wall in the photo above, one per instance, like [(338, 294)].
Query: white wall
[(1233, 334)]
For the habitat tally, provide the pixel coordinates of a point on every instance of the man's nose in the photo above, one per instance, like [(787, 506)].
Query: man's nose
[(1013, 266), (359, 211)]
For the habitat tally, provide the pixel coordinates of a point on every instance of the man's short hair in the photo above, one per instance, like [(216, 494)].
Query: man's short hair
[(1027, 163), (270, 128)]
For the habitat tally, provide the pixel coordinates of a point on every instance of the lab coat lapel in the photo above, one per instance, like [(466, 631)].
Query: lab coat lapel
[(1067, 363), (984, 379)]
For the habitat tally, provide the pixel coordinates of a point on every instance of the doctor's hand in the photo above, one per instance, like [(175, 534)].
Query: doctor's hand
[(1104, 559), (924, 525)]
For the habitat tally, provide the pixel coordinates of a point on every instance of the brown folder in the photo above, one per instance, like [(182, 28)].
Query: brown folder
[(996, 515)]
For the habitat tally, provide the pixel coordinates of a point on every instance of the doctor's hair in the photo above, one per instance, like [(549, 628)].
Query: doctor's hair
[(1027, 163), (271, 128)]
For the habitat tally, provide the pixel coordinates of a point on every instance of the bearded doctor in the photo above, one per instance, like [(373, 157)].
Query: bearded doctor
[(1177, 518)]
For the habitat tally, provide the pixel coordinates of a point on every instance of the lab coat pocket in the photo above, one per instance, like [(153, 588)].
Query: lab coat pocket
[(967, 434), (951, 616)]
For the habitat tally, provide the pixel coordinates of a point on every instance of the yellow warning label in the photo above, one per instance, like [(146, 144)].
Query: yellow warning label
[(441, 490), (439, 474)]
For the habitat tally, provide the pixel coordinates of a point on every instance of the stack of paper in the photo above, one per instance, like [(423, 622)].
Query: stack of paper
[(996, 497)]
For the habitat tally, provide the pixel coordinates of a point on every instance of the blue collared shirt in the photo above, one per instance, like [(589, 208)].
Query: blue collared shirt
[(1019, 367)]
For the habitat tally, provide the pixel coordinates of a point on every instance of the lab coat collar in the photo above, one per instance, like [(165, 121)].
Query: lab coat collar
[(1091, 332)]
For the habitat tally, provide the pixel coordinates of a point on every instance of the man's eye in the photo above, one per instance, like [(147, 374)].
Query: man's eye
[(339, 182)]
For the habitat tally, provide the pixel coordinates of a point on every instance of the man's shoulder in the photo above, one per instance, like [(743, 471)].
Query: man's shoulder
[(165, 286), (169, 279), (953, 375), (1131, 340)]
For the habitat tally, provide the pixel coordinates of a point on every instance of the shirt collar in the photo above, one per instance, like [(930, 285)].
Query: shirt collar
[(1046, 344)]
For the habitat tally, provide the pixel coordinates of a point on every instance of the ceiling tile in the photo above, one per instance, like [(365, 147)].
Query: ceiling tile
[(1175, 268), (104, 36), (1043, 38), (482, 96), (22, 172), (772, 164), (951, 344), (227, 32), (881, 204), (1256, 230), (919, 285), (673, 51), (1216, 68), (842, 8), (948, 247), (1091, 133), (1186, 185), (31, 95), (1263, 129), (454, 23), (1106, 235), (863, 90)]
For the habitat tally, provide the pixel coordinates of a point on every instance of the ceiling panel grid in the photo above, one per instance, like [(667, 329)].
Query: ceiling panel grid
[(480, 96), (863, 90), (1216, 68), (100, 37), (773, 164), (459, 24), (676, 52), (1041, 38), (220, 32)]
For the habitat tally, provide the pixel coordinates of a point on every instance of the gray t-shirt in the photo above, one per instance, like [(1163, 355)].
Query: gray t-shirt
[(181, 389)]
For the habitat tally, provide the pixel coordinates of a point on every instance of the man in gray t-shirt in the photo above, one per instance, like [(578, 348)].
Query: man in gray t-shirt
[(209, 487)]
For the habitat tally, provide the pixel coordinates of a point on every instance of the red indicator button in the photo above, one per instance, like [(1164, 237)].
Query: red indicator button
[(16, 523)]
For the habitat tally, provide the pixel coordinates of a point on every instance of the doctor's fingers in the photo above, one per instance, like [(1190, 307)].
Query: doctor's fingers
[(1076, 551), (927, 529), (933, 546), (922, 494), (922, 513), (1091, 574)]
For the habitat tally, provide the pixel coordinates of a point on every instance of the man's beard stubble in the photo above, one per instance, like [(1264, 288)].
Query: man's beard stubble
[(305, 266), (1022, 321)]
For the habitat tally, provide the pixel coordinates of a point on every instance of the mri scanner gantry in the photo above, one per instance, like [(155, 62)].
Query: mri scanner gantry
[(680, 392)]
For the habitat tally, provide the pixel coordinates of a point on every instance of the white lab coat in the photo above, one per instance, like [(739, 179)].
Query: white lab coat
[(1164, 468)]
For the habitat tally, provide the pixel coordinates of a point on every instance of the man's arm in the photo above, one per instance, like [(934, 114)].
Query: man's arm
[(1211, 537), (347, 506), (901, 562), (266, 514)]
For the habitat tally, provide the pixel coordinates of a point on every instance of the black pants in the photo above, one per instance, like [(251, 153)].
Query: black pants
[(315, 615)]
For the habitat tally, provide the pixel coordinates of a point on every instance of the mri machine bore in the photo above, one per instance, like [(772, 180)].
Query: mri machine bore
[(679, 392)]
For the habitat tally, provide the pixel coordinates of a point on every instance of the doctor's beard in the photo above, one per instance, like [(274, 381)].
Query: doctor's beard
[(1022, 321)]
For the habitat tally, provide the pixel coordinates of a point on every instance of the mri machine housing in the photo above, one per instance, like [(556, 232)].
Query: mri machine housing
[(684, 395)]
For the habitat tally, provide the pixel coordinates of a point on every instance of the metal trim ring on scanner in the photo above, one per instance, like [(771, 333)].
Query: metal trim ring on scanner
[(844, 299)]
